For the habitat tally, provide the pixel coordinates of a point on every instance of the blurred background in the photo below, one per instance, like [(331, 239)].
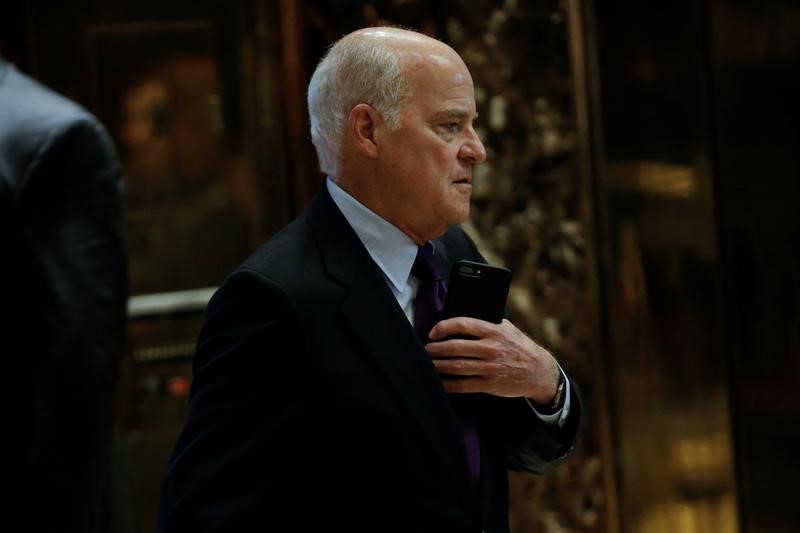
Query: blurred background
[(643, 184)]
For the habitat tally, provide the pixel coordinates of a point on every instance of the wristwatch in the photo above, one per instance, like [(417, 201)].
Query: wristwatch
[(558, 399)]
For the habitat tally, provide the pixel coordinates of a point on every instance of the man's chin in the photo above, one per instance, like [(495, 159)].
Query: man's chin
[(460, 214), (464, 188)]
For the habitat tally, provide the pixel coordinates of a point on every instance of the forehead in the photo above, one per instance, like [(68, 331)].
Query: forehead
[(439, 80)]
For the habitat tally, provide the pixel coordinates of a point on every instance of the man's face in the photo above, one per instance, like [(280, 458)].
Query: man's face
[(426, 164)]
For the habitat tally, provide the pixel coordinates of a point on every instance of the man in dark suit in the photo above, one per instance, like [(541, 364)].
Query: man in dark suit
[(62, 321), (315, 406)]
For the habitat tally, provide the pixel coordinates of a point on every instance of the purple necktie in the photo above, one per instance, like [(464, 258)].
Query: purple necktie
[(427, 312)]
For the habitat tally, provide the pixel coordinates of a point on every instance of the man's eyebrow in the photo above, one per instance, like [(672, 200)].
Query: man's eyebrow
[(452, 114)]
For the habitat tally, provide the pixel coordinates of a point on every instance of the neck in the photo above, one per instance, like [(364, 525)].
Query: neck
[(371, 198)]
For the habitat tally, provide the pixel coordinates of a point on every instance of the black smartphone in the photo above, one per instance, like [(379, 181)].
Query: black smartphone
[(477, 290)]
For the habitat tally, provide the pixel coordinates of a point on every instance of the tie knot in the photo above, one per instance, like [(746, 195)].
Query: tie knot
[(425, 267)]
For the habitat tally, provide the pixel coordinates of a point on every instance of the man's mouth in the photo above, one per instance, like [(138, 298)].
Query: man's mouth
[(464, 180)]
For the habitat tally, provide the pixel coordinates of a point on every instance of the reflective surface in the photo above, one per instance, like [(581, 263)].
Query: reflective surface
[(757, 117), (187, 91), (656, 206), (187, 193), (699, 185)]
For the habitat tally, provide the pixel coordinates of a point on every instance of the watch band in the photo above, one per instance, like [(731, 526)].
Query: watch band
[(558, 400), (559, 397)]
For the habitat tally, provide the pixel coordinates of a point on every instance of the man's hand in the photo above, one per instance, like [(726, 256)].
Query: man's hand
[(497, 359)]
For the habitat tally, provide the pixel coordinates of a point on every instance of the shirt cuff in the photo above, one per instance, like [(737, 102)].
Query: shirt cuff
[(558, 418)]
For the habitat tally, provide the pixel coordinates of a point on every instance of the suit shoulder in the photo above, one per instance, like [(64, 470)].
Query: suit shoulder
[(285, 274), (28, 107), (459, 245), (34, 118), (289, 256)]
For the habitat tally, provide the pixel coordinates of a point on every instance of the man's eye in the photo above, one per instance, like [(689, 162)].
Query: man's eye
[(451, 127)]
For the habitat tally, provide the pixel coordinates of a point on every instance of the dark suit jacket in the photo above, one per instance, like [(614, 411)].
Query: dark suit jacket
[(314, 406), (63, 280)]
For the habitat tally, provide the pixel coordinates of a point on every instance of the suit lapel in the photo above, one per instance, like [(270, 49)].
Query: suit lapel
[(381, 325)]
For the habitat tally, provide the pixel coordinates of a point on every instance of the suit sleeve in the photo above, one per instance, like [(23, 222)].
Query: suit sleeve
[(535, 446), (234, 465), (69, 252)]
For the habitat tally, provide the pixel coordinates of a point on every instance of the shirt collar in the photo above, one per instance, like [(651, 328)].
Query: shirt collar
[(391, 249)]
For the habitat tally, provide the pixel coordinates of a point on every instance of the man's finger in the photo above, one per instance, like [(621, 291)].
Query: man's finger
[(463, 385), (463, 366), (462, 325)]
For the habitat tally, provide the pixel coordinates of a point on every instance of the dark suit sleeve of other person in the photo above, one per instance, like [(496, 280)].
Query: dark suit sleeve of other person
[(64, 276)]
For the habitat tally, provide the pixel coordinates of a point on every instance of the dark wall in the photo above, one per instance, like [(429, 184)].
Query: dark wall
[(756, 85), (13, 33), (698, 199), (659, 266)]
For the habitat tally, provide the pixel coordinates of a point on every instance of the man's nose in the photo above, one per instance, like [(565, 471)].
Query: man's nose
[(473, 149)]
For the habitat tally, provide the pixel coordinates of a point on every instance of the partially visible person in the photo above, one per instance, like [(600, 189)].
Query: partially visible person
[(64, 287)]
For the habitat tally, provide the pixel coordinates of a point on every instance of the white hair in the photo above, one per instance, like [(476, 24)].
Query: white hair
[(354, 70)]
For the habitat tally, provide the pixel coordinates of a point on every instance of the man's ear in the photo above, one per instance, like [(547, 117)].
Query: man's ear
[(362, 122)]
